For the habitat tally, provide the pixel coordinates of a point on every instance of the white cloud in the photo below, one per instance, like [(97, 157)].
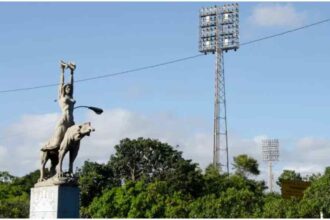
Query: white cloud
[(19, 150), (3, 152), (23, 140), (305, 155), (117, 124), (33, 127), (3, 156), (309, 155), (277, 15)]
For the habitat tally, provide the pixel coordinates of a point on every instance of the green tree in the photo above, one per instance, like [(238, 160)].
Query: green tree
[(93, 179), (214, 181), (288, 175), (206, 206), (242, 197), (27, 181), (277, 207), (317, 198), (228, 197), (150, 202), (14, 197), (233, 203), (185, 177), (136, 163), (13, 205), (5, 177), (313, 177), (152, 160), (15, 194), (116, 202), (129, 200), (245, 165), (143, 158), (140, 199), (176, 205)]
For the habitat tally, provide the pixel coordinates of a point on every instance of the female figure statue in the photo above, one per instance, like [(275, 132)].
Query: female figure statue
[(66, 103)]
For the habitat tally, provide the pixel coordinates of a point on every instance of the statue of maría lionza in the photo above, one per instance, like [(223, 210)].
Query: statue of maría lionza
[(66, 137)]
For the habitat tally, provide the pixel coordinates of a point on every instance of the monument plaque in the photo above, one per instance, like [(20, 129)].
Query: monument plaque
[(54, 202)]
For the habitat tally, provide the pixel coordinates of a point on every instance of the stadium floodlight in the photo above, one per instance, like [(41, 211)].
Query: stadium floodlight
[(219, 26), (270, 153), (270, 149), (218, 32)]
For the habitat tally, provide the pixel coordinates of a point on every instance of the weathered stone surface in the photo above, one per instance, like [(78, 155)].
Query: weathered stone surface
[(54, 202), (66, 103), (65, 180), (56, 195)]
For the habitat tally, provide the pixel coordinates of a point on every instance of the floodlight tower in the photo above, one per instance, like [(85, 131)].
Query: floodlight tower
[(218, 30), (270, 153)]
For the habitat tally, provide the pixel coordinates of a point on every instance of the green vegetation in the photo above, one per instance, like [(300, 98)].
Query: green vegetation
[(14, 194), (288, 175), (149, 179)]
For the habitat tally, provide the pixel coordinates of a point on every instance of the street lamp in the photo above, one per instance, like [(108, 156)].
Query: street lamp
[(94, 109)]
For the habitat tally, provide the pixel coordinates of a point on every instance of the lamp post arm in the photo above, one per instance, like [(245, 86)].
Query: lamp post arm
[(94, 109), (81, 106)]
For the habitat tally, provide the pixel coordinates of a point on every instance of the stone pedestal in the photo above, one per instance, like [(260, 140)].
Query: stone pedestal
[(57, 201)]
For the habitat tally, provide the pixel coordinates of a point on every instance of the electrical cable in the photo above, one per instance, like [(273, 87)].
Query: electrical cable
[(160, 64), (285, 32), (105, 75)]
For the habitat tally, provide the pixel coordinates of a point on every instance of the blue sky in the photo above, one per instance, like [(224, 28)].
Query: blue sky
[(276, 88)]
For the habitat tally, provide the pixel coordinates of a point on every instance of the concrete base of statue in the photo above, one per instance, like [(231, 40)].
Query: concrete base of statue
[(56, 201)]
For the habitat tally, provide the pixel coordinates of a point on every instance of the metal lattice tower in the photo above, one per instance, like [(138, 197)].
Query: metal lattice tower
[(220, 142), (219, 33), (270, 153)]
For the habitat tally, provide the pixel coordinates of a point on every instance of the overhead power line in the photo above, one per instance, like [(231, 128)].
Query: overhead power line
[(285, 32), (140, 68), (160, 64), (105, 75)]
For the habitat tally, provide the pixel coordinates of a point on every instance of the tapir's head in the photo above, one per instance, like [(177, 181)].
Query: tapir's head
[(85, 129)]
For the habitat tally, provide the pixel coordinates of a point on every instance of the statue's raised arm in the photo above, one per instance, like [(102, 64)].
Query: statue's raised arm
[(72, 67), (61, 85)]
